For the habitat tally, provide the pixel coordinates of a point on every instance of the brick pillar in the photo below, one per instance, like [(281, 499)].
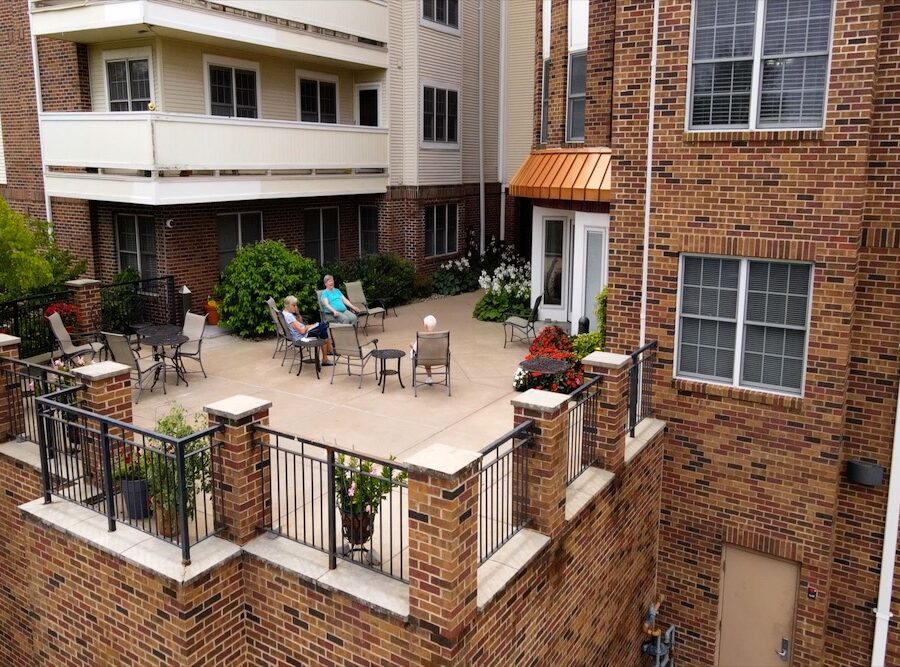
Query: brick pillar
[(9, 349), (443, 541), (86, 295), (547, 457), (612, 421), (107, 389), (239, 468)]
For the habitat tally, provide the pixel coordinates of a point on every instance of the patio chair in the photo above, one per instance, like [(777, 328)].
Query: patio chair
[(282, 336), (517, 329), (432, 349), (141, 367), (64, 343), (324, 315), (356, 294), (346, 344), (193, 328)]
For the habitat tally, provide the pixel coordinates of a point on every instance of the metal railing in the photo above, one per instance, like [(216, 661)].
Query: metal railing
[(24, 382), (99, 463), (640, 384), (25, 319), (503, 492), (314, 493), (582, 417), (148, 301)]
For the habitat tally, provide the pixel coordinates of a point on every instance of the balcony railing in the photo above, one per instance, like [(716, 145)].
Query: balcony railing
[(583, 414), (25, 318), (640, 390), (24, 382)]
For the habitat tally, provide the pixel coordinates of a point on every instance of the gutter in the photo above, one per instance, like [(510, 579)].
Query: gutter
[(39, 101), (481, 122), (501, 126)]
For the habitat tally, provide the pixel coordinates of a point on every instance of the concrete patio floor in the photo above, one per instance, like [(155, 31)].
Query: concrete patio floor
[(390, 424)]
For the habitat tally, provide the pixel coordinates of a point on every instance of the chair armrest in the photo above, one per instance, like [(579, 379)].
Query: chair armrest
[(371, 341), (95, 336)]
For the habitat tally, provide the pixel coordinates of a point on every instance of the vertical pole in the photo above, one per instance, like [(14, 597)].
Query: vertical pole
[(42, 448), (332, 528), (633, 374), (107, 476), (182, 503)]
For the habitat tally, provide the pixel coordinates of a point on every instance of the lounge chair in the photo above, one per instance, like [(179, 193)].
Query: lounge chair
[(356, 294), (517, 329), (64, 343), (432, 349), (283, 337), (346, 344), (141, 367), (194, 326)]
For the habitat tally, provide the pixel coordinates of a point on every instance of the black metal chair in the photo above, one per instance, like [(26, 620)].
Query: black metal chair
[(517, 329)]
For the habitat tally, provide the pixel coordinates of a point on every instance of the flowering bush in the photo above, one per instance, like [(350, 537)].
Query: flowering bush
[(132, 465), (69, 313), (361, 485), (507, 289), (553, 343), (455, 277)]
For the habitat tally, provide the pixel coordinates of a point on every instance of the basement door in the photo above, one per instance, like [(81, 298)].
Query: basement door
[(756, 618)]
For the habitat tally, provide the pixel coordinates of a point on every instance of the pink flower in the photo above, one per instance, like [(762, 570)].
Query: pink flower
[(352, 490)]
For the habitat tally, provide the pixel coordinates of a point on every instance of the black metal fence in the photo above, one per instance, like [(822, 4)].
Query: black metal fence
[(349, 506), (503, 494), (148, 301), (640, 391), (25, 319), (582, 417), (24, 382), (155, 483)]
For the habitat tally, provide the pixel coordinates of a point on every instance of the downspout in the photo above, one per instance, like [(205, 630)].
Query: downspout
[(39, 100), (888, 550), (481, 122), (649, 175), (501, 129)]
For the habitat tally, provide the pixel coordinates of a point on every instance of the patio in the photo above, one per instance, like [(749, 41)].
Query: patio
[(390, 424)]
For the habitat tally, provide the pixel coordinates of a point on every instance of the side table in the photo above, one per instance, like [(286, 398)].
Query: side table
[(312, 346), (382, 356)]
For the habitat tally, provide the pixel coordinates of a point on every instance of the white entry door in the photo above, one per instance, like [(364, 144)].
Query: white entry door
[(556, 268), (588, 272)]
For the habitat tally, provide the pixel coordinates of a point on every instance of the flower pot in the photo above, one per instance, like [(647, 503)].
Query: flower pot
[(137, 500), (357, 528), (212, 314)]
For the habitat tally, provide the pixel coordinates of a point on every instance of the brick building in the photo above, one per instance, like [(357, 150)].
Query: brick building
[(766, 263)]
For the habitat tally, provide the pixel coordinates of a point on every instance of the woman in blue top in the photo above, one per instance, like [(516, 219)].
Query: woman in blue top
[(335, 303), (298, 329)]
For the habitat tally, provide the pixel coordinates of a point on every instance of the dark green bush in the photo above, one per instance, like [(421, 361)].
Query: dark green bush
[(455, 277), (120, 304), (257, 272), (384, 276)]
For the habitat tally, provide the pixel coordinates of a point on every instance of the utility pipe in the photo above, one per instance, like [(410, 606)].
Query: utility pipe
[(888, 549), (481, 120), (39, 101), (501, 130)]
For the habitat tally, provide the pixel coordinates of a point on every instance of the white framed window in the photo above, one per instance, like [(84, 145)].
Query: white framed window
[(367, 104), (321, 234), (545, 99), (744, 322), (759, 64), (318, 97), (440, 115), (444, 12), (129, 79), (136, 241), (236, 230), (368, 230), (232, 87), (575, 97), (579, 12), (441, 226)]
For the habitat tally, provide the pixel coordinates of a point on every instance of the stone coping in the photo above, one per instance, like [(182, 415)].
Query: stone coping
[(441, 460), (237, 407), (132, 545), (644, 433), (499, 570), (584, 488), (25, 452), (6, 340), (101, 370), (606, 360), (540, 400), (82, 282)]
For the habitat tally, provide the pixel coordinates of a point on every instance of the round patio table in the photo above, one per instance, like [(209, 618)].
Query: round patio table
[(312, 345), (159, 336), (545, 366), (382, 356)]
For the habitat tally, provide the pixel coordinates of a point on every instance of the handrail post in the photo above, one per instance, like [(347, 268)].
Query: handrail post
[(332, 528), (633, 386), (42, 449), (181, 482), (107, 476)]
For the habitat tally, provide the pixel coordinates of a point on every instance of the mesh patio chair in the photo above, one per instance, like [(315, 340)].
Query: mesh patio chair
[(141, 367), (346, 344), (517, 329), (433, 350), (356, 294), (64, 343), (194, 326), (283, 337)]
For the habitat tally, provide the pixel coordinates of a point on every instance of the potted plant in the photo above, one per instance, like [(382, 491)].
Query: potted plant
[(130, 471), (212, 311), (359, 488), (161, 470)]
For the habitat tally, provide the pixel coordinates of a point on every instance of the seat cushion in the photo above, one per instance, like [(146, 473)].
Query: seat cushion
[(516, 321)]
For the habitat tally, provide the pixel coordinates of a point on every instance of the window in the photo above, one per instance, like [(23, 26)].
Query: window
[(136, 237), (368, 230), (236, 230), (545, 100), (744, 322), (759, 63), (445, 12), (439, 109), (320, 228), (575, 107), (128, 84), (318, 98), (440, 229), (232, 91)]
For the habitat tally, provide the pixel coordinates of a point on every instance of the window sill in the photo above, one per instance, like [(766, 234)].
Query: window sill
[(752, 136), (439, 145), (439, 27), (744, 394)]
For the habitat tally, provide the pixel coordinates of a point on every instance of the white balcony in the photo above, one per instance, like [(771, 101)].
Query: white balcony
[(164, 158), (350, 31)]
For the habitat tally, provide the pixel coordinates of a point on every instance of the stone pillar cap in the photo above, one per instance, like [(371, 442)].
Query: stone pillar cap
[(540, 400), (237, 406), (442, 460), (606, 360), (6, 339), (101, 370), (82, 282)]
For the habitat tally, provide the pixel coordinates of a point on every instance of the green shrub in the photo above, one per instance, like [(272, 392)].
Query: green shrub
[(507, 290), (383, 275), (257, 272), (455, 276), (600, 313), (584, 344), (423, 287), (120, 304)]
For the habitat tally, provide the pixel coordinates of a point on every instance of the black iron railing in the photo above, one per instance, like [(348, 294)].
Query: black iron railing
[(148, 301), (349, 506), (582, 417), (640, 391), (25, 319), (153, 482), (24, 382), (503, 495)]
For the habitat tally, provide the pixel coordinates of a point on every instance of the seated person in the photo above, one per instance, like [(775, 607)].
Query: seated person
[(336, 304), (428, 325), (298, 329)]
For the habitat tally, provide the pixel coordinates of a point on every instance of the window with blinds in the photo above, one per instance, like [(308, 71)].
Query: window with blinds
[(232, 92), (744, 322), (321, 232), (575, 101), (128, 84), (759, 63), (136, 240)]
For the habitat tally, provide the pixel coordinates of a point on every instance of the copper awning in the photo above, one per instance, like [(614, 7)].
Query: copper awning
[(582, 174)]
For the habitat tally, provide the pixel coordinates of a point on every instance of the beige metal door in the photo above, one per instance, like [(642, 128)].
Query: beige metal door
[(756, 619)]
